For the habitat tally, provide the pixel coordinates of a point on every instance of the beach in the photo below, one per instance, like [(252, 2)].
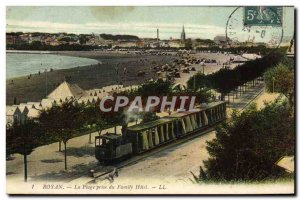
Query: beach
[(104, 73), (38, 86)]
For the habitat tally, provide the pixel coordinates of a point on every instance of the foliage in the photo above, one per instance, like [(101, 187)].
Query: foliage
[(226, 80), (260, 49), (248, 146), (82, 39), (282, 76), (155, 88), (149, 116), (288, 62), (60, 121), (92, 117), (196, 82), (205, 41), (119, 37), (23, 138)]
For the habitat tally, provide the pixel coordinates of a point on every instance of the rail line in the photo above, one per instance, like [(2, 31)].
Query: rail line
[(106, 173)]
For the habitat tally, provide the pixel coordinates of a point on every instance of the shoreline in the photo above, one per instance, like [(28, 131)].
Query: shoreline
[(27, 89), (28, 51), (38, 86), (94, 55)]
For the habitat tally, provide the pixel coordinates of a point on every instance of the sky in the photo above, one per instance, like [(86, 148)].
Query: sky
[(199, 22)]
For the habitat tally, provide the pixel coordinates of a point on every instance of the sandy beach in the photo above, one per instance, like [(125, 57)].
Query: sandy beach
[(103, 73), (87, 77)]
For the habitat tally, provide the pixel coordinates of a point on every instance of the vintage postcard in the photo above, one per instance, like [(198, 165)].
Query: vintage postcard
[(185, 100)]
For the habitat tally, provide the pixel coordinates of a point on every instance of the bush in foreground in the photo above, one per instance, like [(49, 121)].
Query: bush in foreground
[(246, 148)]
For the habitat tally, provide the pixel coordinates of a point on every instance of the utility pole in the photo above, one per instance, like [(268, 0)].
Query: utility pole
[(273, 82), (46, 81), (117, 73)]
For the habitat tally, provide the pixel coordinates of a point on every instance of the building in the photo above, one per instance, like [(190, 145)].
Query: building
[(175, 43), (183, 37), (140, 44), (12, 39), (220, 39), (34, 38)]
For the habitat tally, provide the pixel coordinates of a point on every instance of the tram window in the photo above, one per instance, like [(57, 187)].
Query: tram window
[(99, 142), (102, 142)]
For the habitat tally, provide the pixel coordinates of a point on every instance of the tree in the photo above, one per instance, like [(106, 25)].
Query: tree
[(226, 80), (159, 87), (93, 119), (62, 122), (82, 39), (196, 82), (247, 147), (23, 138), (117, 118), (281, 79), (221, 81)]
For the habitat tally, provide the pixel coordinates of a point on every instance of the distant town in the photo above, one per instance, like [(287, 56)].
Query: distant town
[(71, 41)]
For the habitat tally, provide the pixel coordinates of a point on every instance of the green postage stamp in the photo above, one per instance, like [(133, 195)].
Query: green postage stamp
[(263, 15)]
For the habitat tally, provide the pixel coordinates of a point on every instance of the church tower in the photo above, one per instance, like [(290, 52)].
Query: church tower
[(182, 35)]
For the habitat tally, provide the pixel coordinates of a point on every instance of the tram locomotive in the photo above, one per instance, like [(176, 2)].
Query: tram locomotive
[(137, 139)]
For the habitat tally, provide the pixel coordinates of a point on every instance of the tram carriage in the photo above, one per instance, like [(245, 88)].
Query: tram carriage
[(144, 137)]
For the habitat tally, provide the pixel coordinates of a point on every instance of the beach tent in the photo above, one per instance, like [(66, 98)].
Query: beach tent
[(24, 111), (93, 100), (13, 114), (23, 108), (47, 103), (86, 100), (33, 113), (36, 105), (27, 105), (67, 90)]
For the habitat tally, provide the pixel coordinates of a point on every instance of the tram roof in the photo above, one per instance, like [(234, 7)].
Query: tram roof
[(182, 114), (110, 136), (210, 105), (172, 117), (148, 125), (197, 109)]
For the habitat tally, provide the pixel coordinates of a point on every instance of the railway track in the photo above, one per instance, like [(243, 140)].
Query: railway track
[(108, 172)]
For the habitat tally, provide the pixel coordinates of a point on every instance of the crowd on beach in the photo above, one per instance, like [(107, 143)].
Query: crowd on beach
[(185, 63)]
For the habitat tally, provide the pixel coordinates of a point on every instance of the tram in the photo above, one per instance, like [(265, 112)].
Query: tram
[(140, 138)]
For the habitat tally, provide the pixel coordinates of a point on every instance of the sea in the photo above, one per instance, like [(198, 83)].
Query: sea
[(23, 64)]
